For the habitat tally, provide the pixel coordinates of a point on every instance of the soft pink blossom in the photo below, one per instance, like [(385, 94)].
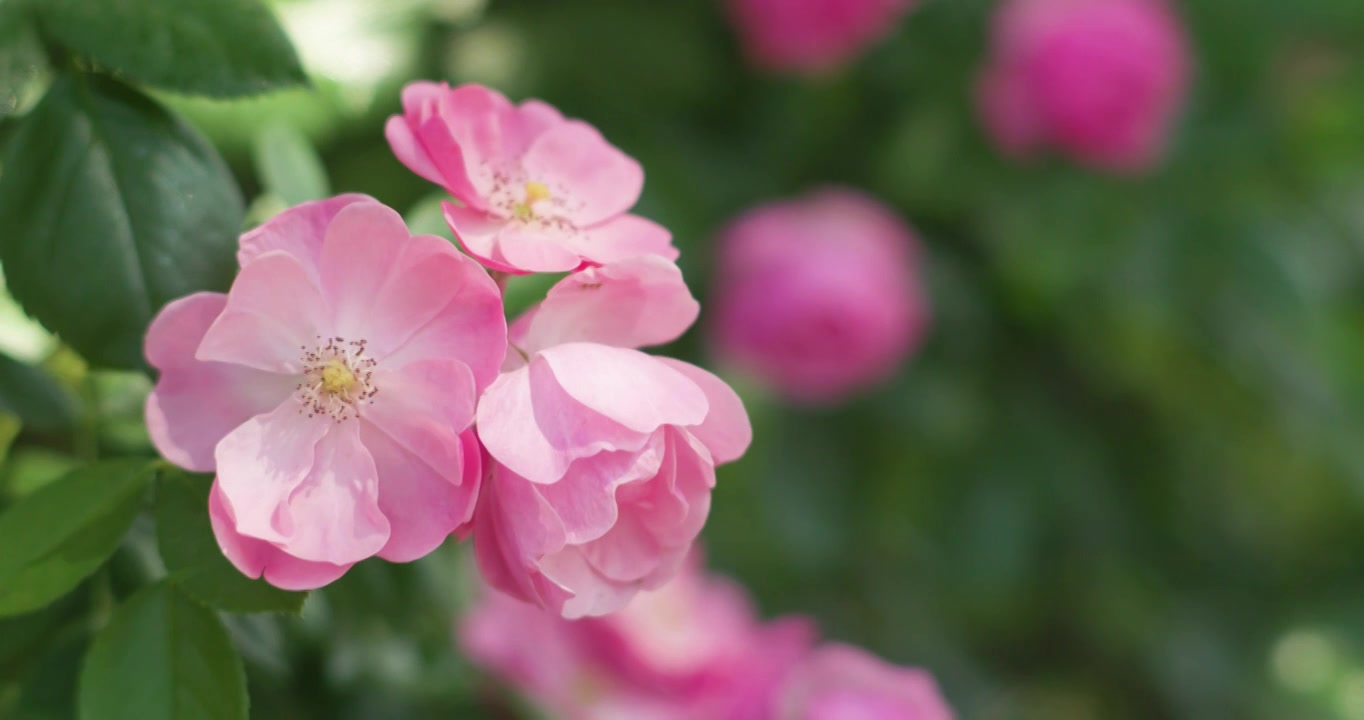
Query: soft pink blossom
[(1100, 80), (330, 390), (817, 297), (811, 35), (602, 457), (840, 682), (692, 649), (538, 192)]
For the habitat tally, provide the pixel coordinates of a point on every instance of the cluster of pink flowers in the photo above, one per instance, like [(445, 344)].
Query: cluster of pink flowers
[(693, 650), (358, 393)]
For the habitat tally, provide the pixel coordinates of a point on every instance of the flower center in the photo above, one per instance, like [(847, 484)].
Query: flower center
[(337, 379), (535, 192)]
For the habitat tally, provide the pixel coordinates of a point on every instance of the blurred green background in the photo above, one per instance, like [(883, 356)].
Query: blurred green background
[(1123, 478)]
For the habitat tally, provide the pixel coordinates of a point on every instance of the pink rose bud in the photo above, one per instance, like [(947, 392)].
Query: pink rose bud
[(817, 297), (839, 682), (694, 648), (602, 457), (1100, 80), (811, 35), (538, 192), (330, 390)]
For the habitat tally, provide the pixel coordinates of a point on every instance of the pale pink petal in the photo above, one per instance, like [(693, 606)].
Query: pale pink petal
[(297, 231), (627, 386), (423, 407), (195, 404), (621, 237), (523, 124), (592, 594), (470, 117), (470, 326), (475, 467), (726, 431), (585, 498), (632, 303), (477, 233), (513, 528), (532, 249), (423, 504), (333, 514), (262, 461), (273, 311), (382, 284), (574, 160), (528, 423), (409, 149), (257, 558)]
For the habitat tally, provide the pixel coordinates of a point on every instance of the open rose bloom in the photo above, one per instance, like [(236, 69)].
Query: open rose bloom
[(602, 458), (839, 682), (1100, 80), (331, 391), (811, 35), (817, 297), (537, 192)]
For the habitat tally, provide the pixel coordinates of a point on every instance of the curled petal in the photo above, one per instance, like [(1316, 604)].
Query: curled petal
[(257, 558), (726, 431)]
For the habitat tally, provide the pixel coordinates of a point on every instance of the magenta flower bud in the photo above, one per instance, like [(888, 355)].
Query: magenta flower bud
[(1099, 80), (818, 297), (811, 35)]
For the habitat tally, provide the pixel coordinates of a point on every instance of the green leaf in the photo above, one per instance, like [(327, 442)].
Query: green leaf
[(112, 208), (220, 48), (21, 57), (162, 656), (288, 165), (60, 534), (195, 562), (40, 402)]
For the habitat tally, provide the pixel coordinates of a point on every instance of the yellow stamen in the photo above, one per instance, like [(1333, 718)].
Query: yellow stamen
[(535, 192), (337, 378)]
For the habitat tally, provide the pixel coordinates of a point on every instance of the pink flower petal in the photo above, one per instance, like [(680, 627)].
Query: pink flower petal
[(424, 505), (381, 284), (726, 431), (195, 404), (621, 237), (469, 118), (585, 498), (627, 386), (633, 303), (257, 558), (333, 514), (527, 423), (423, 407), (273, 311), (262, 461), (524, 123), (297, 231), (513, 528), (592, 594), (574, 159)]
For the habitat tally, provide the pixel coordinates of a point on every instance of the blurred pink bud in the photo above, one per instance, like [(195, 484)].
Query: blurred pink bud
[(538, 192), (602, 457), (839, 682), (689, 650), (818, 297), (1101, 80), (275, 386), (811, 35)]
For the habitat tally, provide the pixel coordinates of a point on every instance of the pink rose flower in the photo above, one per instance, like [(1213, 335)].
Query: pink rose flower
[(602, 457), (1099, 79), (539, 192), (330, 390), (811, 35), (817, 297), (839, 682), (694, 648)]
